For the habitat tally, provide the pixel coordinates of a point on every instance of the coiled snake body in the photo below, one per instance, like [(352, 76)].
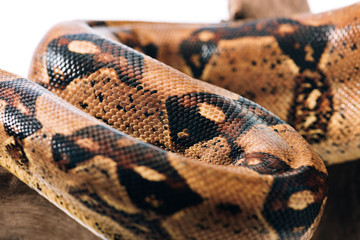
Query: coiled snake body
[(215, 165)]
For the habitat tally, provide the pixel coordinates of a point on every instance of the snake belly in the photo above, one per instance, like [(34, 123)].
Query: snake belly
[(154, 153)]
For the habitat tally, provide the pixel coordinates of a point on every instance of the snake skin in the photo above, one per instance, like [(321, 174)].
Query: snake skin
[(156, 154)]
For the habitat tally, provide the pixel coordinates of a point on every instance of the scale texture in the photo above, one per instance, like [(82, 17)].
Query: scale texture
[(157, 154)]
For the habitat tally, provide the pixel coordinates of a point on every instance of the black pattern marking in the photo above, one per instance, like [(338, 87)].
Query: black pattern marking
[(64, 66), (126, 220), (182, 117), (151, 50), (164, 197), (18, 123), (230, 208), (17, 153), (97, 24), (285, 220), (322, 108), (67, 153), (183, 113), (293, 44), (200, 50)]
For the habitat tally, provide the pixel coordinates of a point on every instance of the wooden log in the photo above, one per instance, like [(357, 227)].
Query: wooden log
[(341, 218), (24, 214), (241, 9)]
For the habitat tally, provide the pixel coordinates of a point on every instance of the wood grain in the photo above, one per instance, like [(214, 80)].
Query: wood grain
[(241, 9), (24, 215), (341, 218)]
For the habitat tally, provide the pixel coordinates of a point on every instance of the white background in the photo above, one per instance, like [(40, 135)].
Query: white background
[(24, 23)]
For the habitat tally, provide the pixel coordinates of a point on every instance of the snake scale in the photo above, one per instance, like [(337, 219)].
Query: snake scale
[(157, 154)]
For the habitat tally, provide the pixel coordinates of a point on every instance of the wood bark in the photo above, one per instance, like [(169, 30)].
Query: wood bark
[(341, 218), (24, 214), (241, 9)]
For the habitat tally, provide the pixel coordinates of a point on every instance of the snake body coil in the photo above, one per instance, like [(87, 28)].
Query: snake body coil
[(180, 158)]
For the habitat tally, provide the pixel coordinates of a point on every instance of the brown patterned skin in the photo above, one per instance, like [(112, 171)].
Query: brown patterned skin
[(178, 158), (304, 69)]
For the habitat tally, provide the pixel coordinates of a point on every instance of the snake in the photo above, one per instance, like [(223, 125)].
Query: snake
[(116, 128)]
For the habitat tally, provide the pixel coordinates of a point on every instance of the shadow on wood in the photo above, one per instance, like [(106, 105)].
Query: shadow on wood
[(341, 218), (24, 214)]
